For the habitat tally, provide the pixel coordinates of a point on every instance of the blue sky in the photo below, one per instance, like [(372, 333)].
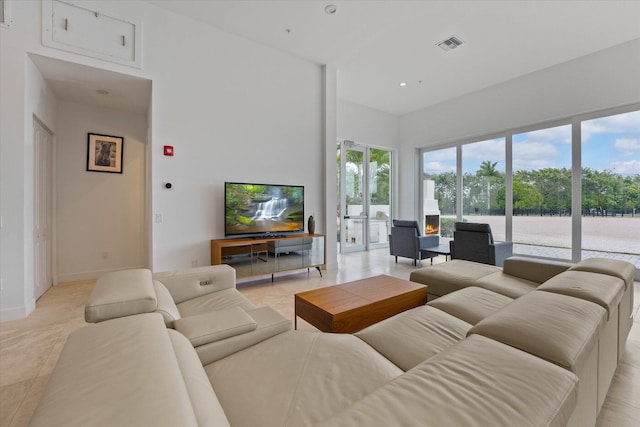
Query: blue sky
[(611, 143)]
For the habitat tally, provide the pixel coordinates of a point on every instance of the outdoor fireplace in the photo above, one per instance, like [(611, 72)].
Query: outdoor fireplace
[(431, 209), (431, 225)]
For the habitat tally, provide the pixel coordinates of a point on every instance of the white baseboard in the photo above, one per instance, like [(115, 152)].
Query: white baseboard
[(16, 313), (90, 275)]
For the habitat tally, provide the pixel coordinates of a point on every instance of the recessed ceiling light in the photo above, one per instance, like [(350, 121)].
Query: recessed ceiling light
[(403, 84), (330, 9), (102, 92)]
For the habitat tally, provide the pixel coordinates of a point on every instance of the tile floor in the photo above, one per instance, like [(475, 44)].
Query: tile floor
[(30, 347)]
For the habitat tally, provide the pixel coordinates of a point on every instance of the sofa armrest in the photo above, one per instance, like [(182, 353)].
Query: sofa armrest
[(215, 326), (428, 241), (192, 283)]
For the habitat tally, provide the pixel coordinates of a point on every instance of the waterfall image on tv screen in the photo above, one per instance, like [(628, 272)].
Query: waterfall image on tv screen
[(263, 208)]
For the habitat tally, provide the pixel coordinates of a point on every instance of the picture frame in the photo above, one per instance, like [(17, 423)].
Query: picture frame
[(104, 153)]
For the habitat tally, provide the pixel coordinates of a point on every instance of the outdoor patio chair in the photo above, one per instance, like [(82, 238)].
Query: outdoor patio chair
[(474, 242), (405, 240)]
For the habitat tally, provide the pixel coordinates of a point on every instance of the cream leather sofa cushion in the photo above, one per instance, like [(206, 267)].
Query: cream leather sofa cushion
[(621, 269), (601, 289), (534, 270), (215, 326), (411, 337), (471, 304), (203, 399), (121, 293), (122, 372), (194, 282), (558, 328), (451, 276), (219, 300), (269, 323), (505, 284), (476, 382), (297, 378)]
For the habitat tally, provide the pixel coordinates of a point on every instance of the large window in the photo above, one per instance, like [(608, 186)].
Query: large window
[(483, 178), (611, 185), (542, 192), (532, 172)]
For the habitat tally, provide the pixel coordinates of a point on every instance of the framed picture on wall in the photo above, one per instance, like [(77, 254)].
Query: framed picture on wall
[(104, 153)]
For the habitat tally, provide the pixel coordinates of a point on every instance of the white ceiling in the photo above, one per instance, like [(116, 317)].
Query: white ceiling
[(79, 83), (377, 44)]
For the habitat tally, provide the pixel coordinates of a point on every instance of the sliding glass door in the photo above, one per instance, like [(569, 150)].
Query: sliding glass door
[(483, 184), (569, 190), (364, 209), (611, 186), (542, 192)]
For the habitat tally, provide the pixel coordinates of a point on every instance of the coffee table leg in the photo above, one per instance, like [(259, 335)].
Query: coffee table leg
[(295, 319)]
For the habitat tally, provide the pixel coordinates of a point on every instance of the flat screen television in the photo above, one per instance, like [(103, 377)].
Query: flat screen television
[(262, 209)]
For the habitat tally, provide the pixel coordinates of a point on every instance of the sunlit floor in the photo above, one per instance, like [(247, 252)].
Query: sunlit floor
[(29, 348)]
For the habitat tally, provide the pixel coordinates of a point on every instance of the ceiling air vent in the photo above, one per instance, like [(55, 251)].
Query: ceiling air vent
[(449, 44)]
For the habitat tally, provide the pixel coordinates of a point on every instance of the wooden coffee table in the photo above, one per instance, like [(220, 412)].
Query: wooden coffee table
[(353, 306)]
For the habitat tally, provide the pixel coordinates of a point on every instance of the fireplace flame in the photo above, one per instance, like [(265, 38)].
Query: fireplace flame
[(430, 229)]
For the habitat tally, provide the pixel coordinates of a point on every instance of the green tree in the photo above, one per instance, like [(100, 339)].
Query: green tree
[(525, 196)]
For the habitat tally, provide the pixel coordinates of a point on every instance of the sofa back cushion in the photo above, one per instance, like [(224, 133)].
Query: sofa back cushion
[(621, 269), (476, 382), (558, 328), (194, 282), (535, 270), (413, 336), (121, 293)]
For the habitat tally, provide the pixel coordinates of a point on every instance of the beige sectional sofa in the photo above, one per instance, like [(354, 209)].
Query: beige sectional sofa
[(201, 303), (473, 357)]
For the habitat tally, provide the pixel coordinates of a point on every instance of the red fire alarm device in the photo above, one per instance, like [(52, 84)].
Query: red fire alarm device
[(168, 150)]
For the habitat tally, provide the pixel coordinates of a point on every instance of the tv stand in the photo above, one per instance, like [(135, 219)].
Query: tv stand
[(264, 255)]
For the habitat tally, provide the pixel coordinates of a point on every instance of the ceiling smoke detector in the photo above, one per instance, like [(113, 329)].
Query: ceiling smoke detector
[(450, 43)]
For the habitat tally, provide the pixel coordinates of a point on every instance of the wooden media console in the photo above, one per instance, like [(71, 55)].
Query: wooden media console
[(269, 255)]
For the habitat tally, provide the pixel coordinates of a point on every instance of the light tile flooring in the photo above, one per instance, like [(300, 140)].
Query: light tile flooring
[(30, 347)]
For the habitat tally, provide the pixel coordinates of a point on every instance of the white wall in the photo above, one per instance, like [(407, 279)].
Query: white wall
[(233, 110), (17, 173), (99, 212), (602, 80), (367, 125)]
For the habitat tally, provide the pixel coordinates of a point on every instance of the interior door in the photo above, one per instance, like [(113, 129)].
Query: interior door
[(43, 209), (353, 195)]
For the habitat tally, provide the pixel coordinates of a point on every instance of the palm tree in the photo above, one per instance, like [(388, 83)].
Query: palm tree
[(488, 169)]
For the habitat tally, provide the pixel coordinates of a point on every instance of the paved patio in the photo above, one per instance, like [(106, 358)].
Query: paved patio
[(550, 236)]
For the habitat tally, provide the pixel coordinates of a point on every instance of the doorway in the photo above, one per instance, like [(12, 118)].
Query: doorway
[(364, 197), (43, 208)]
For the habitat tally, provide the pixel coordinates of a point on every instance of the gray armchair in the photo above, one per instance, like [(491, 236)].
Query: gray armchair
[(405, 240), (474, 242)]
